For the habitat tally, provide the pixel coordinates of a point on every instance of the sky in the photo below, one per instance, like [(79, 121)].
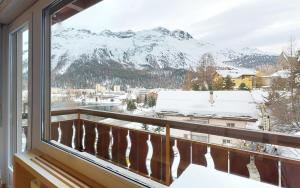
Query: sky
[(264, 24)]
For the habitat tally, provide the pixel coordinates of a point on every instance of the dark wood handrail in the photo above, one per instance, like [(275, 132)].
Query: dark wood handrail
[(238, 133)]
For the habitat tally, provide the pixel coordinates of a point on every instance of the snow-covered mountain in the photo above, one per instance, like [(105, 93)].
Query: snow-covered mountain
[(157, 48)]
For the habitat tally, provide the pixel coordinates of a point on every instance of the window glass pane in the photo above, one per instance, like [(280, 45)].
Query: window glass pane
[(19, 125), (154, 86), (25, 94)]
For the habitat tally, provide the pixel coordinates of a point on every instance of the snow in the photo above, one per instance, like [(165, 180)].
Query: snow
[(196, 175), (159, 43), (289, 152), (236, 73), (253, 125), (281, 74), (226, 103), (259, 96)]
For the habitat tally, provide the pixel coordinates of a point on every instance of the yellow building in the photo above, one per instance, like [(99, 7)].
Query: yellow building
[(238, 76)]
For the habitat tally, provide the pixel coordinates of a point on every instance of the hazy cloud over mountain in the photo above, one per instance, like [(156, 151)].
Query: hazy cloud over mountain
[(266, 24)]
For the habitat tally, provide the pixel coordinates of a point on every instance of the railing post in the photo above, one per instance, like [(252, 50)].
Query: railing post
[(78, 132), (279, 173), (168, 157)]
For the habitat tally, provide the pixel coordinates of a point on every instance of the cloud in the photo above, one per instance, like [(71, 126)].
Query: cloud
[(252, 24), (228, 23)]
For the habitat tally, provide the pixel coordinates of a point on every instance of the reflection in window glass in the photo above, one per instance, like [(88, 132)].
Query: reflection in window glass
[(24, 103), (204, 62), (19, 126)]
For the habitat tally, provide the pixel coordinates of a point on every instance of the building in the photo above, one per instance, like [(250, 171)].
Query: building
[(100, 88), (283, 69), (117, 88), (140, 94), (238, 76), (221, 108), (268, 80), (285, 61)]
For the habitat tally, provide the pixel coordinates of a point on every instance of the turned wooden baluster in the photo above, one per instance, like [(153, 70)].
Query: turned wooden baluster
[(103, 141), (138, 152), (238, 163), (167, 156), (190, 152), (290, 171), (78, 138), (119, 146), (268, 169), (54, 131), (156, 160), (184, 148), (90, 137), (220, 158), (168, 153), (198, 153), (66, 128)]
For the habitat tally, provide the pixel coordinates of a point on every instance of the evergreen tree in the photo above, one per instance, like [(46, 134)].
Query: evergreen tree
[(131, 105), (151, 101), (243, 87), (218, 84), (146, 100), (195, 87), (228, 83), (203, 88)]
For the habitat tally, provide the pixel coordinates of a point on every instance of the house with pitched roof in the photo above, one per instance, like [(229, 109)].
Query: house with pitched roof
[(238, 76), (237, 109)]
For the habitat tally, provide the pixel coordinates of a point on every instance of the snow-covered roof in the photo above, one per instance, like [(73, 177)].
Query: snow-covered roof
[(281, 74), (288, 151), (235, 73), (259, 96), (237, 104)]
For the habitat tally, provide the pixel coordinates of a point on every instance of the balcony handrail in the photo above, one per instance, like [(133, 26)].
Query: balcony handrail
[(232, 132)]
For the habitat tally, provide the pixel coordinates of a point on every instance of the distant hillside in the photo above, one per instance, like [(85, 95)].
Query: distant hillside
[(253, 61), (153, 58)]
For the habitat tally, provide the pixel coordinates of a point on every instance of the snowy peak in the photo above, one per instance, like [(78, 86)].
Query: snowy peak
[(181, 35), (155, 48)]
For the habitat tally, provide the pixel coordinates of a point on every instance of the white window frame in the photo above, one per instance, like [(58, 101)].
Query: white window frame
[(40, 94), (9, 120), (2, 128)]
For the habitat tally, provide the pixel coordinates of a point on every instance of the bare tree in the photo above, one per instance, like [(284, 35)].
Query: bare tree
[(284, 98), (292, 44), (206, 71), (187, 83)]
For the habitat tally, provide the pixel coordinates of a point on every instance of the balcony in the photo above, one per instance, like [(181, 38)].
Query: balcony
[(154, 155)]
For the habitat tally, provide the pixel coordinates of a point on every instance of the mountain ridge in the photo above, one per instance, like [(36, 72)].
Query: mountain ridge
[(147, 52)]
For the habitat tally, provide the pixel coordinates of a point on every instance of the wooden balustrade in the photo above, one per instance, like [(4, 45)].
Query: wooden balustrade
[(128, 148), (25, 132)]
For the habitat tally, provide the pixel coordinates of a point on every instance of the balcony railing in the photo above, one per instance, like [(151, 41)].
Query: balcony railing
[(128, 148)]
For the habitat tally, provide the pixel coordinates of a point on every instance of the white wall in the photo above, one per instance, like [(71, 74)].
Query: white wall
[(211, 138)]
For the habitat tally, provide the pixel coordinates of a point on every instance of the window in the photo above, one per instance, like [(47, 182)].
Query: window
[(113, 67), (201, 138), (226, 141), (230, 124), (19, 99)]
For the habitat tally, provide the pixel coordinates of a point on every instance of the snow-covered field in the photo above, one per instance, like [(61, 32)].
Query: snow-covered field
[(224, 104)]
